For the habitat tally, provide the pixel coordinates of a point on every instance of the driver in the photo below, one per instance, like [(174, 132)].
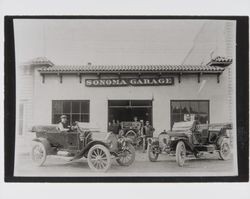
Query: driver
[(64, 125), (136, 124)]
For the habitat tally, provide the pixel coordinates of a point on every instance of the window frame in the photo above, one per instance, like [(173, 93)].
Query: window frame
[(71, 113), (191, 100)]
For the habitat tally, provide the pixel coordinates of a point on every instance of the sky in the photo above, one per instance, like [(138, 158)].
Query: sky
[(77, 42)]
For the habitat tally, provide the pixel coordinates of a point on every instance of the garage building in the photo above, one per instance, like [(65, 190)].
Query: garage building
[(97, 94)]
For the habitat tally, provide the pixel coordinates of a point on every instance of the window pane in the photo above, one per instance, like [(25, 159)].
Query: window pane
[(56, 118), (141, 103), (203, 118), (194, 107), (175, 107), (72, 109), (185, 106), (203, 107), (76, 107), (181, 119), (196, 110), (66, 107), (118, 103), (75, 117), (175, 118), (84, 118), (57, 106), (85, 107)]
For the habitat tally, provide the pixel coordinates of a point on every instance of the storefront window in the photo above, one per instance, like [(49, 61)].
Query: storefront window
[(184, 110), (76, 110)]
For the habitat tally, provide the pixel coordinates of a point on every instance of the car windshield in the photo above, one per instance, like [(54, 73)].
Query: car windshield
[(96, 133), (86, 127), (183, 126)]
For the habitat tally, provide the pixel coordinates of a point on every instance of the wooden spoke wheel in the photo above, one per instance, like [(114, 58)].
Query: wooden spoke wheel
[(152, 154), (38, 153), (99, 158), (127, 157), (225, 150), (180, 153)]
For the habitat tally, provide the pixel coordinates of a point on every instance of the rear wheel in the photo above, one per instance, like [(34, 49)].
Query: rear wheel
[(152, 154), (127, 156), (99, 158), (180, 153), (38, 153), (225, 150)]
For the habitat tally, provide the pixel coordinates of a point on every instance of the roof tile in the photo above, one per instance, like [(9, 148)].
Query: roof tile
[(129, 68)]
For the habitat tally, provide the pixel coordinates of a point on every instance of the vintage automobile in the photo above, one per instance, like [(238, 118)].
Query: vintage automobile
[(190, 138), (132, 130), (82, 142)]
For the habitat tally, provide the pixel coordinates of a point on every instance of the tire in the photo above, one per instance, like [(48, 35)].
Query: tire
[(132, 135), (152, 156), (180, 153), (38, 154), (225, 150), (99, 158), (129, 158)]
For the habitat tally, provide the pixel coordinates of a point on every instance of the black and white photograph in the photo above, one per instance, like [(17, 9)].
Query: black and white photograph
[(125, 97)]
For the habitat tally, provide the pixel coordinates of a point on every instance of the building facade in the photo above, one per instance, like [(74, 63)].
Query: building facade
[(98, 94)]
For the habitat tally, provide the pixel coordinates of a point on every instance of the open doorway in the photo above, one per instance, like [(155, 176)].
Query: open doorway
[(126, 110)]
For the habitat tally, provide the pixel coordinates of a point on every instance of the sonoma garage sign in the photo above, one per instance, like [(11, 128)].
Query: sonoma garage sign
[(130, 82)]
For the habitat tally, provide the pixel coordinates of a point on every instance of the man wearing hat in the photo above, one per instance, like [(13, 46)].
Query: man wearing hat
[(63, 125), (147, 131)]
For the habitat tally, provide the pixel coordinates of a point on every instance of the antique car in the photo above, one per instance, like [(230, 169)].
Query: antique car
[(131, 130), (82, 142), (190, 138)]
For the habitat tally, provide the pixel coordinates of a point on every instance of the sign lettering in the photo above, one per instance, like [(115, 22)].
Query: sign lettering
[(162, 81)]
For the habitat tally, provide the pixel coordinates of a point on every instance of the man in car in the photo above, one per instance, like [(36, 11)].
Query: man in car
[(64, 125), (136, 124)]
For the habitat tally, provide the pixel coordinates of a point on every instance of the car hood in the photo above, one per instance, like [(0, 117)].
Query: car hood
[(44, 128)]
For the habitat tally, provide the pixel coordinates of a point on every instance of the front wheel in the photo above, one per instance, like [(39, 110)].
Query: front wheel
[(152, 154), (38, 154), (180, 153), (225, 150), (132, 135), (127, 157), (99, 158)]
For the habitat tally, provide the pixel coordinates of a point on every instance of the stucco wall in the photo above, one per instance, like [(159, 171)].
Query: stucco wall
[(188, 89)]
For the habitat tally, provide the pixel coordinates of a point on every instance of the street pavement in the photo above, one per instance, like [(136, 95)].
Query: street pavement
[(208, 165)]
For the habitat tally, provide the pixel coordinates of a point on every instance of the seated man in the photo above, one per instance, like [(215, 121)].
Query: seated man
[(64, 125), (136, 125)]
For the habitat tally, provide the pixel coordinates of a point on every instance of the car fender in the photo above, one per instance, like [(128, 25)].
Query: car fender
[(84, 151), (46, 144), (185, 140), (221, 139)]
